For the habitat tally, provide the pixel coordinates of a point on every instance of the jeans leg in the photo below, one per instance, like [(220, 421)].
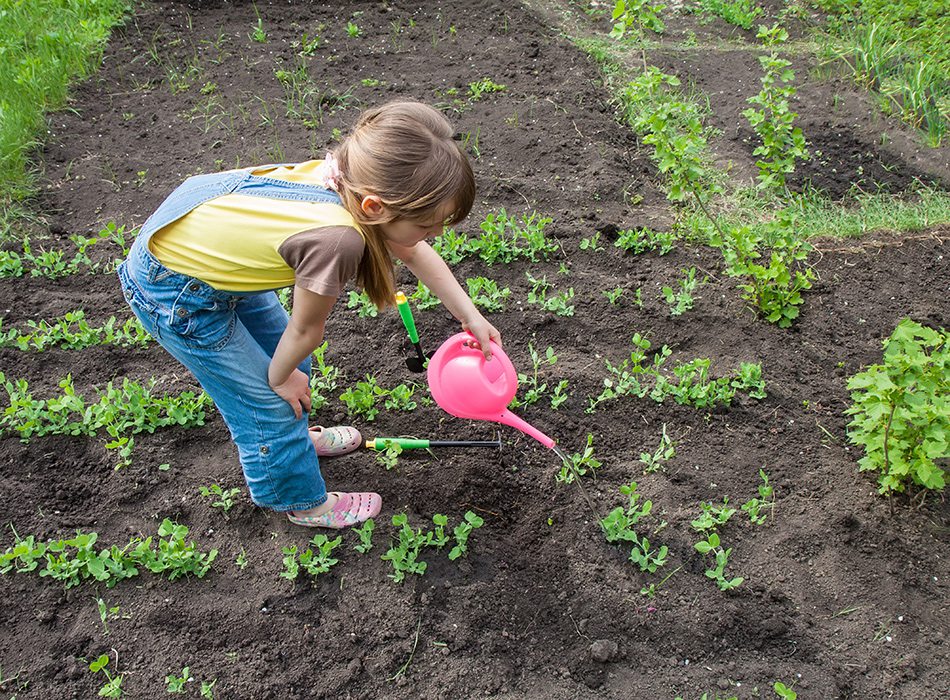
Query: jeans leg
[(277, 456), (265, 319)]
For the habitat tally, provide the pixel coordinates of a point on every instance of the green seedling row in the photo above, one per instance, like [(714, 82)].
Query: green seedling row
[(122, 410), (690, 384), (75, 560)]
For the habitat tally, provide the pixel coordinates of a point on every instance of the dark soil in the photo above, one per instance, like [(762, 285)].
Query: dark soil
[(845, 593)]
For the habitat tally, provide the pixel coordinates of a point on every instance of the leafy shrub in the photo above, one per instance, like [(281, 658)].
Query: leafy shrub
[(901, 409)]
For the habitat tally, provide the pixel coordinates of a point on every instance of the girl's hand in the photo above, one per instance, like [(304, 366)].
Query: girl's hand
[(483, 332), (295, 390)]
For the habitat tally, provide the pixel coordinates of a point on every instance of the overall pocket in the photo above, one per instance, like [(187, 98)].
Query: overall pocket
[(202, 316)]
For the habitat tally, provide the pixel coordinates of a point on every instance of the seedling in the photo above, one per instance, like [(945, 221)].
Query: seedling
[(613, 295), (559, 395), (106, 613), (360, 400), (113, 685), (404, 554), (681, 301), (462, 531), (712, 545), (641, 240), (365, 533), (784, 691), (390, 456), (207, 689), (323, 381), (713, 517), (592, 244), (353, 30), (423, 298), (483, 87), (619, 524), (241, 560), (359, 300), (486, 294), (224, 498), (176, 684), (766, 499), (582, 462), (665, 452), (534, 389), (317, 559)]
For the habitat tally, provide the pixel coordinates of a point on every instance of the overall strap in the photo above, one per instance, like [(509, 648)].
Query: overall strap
[(199, 189)]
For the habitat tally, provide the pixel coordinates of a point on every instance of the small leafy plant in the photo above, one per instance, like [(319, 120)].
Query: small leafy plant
[(681, 301), (223, 498), (654, 461), (765, 500), (533, 387), (461, 533), (619, 525), (359, 300), (782, 142), (641, 240), (582, 461), (712, 545), (403, 555), (113, 684), (176, 684), (486, 294), (365, 533), (485, 86), (900, 410)]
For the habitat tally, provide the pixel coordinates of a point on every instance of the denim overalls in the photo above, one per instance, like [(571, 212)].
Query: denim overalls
[(227, 340)]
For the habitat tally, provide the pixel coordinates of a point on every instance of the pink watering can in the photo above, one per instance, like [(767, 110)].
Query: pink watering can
[(466, 385)]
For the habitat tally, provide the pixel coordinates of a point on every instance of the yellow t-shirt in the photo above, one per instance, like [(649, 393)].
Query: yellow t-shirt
[(243, 243)]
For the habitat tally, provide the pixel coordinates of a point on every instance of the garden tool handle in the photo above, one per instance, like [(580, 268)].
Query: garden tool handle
[(406, 314)]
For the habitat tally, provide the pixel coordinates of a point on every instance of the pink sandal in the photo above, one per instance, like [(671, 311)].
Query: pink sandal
[(335, 441), (350, 509)]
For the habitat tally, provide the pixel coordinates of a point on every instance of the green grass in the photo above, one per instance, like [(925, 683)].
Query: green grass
[(815, 216), (44, 44)]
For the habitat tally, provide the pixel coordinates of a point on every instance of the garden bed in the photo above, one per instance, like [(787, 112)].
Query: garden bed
[(844, 593)]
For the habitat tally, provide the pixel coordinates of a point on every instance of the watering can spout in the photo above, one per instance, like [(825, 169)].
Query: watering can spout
[(509, 418)]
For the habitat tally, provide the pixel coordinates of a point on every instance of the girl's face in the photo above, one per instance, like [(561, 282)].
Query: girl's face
[(407, 232)]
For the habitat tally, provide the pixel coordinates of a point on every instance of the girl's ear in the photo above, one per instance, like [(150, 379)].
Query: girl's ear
[(373, 207)]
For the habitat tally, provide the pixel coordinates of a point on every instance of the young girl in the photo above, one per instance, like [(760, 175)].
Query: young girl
[(201, 274)]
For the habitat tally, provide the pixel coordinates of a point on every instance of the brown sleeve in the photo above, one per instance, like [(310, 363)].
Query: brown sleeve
[(324, 259)]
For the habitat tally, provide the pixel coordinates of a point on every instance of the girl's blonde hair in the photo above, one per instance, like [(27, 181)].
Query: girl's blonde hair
[(403, 153)]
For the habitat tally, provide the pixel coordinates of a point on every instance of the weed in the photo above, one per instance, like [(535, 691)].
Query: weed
[(257, 32), (666, 451), (582, 462), (634, 16), (900, 410), (224, 497), (741, 13)]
